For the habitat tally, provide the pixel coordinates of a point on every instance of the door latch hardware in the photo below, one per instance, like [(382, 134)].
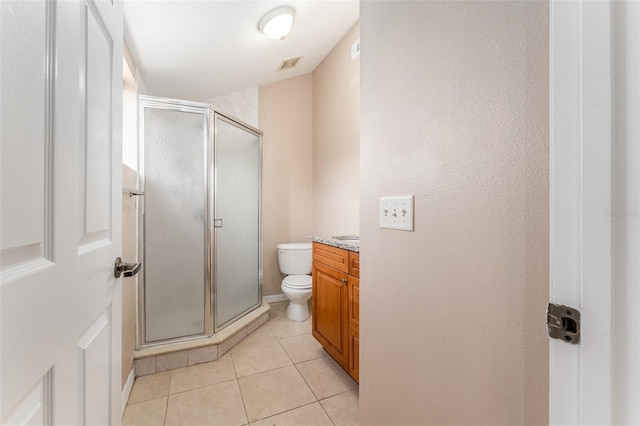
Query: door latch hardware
[(125, 269), (563, 323)]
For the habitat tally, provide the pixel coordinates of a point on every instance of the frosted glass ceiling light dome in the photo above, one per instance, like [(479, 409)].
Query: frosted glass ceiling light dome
[(277, 23)]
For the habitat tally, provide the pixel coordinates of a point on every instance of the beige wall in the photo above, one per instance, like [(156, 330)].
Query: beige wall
[(455, 110), (336, 140), (242, 105), (311, 128), (285, 117)]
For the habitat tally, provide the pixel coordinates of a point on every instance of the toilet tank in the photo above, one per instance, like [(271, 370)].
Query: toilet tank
[(294, 258)]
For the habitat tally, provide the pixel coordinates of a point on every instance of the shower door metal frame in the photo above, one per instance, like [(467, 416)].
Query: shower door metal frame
[(211, 324), (240, 124), (188, 107)]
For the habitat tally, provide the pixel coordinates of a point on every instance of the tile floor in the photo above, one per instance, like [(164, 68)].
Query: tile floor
[(278, 375)]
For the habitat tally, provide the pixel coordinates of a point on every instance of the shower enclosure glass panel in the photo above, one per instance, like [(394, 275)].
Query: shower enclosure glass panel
[(175, 226), (200, 171), (237, 220)]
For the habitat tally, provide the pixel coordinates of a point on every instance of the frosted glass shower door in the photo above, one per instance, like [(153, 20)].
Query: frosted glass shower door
[(237, 220), (176, 279)]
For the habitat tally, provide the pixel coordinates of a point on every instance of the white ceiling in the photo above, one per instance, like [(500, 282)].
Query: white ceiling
[(199, 50)]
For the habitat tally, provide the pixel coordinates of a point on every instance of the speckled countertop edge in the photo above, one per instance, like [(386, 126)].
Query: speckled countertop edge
[(340, 243)]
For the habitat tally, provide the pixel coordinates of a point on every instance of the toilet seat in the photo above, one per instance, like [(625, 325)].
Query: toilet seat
[(297, 281)]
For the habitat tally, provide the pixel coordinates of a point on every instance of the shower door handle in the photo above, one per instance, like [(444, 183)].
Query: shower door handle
[(125, 269), (217, 223)]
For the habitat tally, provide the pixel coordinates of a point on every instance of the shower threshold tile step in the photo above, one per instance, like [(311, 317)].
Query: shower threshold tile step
[(153, 359)]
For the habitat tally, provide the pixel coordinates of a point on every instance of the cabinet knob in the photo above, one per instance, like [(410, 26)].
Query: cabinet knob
[(344, 280)]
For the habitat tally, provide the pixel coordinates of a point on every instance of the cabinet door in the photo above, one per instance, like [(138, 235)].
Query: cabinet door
[(354, 354), (354, 327), (330, 310), (354, 302)]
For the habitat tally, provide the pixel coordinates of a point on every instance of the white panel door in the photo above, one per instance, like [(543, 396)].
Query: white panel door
[(60, 212)]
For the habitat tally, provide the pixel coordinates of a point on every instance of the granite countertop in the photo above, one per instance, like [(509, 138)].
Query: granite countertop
[(347, 242)]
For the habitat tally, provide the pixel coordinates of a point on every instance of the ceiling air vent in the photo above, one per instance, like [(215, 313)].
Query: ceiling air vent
[(289, 63)]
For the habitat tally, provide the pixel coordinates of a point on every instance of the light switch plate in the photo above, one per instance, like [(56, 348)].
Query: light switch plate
[(397, 212), (355, 49)]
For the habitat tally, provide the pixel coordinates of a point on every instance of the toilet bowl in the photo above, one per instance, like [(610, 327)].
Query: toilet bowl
[(294, 260), (297, 288)]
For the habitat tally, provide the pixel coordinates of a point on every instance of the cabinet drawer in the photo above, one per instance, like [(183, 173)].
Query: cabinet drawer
[(354, 264), (335, 257)]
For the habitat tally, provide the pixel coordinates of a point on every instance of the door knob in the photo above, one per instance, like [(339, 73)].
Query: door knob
[(125, 269)]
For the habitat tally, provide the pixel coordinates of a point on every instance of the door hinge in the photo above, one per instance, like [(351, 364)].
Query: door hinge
[(563, 323)]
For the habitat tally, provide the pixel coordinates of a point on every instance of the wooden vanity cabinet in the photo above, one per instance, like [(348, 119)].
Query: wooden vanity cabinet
[(336, 304), (353, 284), (329, 311)]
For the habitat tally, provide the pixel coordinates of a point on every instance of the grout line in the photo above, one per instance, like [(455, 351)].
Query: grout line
[(170, 381), (244, 406), (246, 344), (277, 339), (166, 410), (296, 365), (307, 383), (338, 394), (147, 400), (203, 386), (292, 409), (266, 371), (273, 369), (285, 351), (325, 411), (235, 372), (166, 407)]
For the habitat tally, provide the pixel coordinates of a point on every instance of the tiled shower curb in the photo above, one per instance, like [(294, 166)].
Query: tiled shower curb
[(177, 355)]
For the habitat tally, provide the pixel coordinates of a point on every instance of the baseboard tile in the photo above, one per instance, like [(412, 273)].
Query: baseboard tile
[(275, 298), (126, 391)]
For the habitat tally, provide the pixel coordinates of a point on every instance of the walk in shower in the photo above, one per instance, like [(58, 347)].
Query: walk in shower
[(200, 171)]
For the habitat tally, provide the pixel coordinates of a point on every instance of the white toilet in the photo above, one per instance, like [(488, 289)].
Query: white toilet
[(294, 260)]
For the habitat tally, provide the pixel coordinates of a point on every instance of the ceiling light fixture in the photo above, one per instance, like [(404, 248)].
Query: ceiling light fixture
[(277, 23)]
